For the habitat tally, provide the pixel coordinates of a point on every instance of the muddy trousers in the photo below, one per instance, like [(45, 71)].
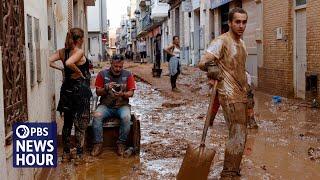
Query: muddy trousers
[(250, 112), (236, 117), (80, 128)]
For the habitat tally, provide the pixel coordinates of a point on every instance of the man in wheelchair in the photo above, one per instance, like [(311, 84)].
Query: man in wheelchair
[(114, 86)]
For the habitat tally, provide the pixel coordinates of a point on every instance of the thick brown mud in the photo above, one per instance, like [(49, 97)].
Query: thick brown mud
[(286, 145)]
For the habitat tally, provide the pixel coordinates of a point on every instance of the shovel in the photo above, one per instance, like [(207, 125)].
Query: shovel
[(197, 161)]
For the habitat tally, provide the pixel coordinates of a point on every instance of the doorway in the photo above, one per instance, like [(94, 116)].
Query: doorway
[(301, 53)]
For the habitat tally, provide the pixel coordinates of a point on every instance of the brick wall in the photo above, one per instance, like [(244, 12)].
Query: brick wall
[(313, 39), (276, 81), (276, 74)]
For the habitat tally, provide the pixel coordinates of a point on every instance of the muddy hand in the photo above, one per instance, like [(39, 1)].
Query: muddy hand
[(214, 72)]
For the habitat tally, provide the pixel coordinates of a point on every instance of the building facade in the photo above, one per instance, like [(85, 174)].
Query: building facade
[(151, 21), (290, 67), (281, 38), (29, 88), (98, 31)]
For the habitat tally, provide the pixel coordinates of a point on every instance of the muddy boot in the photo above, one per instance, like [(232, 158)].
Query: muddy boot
[(231, 166), (252, 124), (176, 90), (97, 149), (66, 157), (121, 149), (79, 160)]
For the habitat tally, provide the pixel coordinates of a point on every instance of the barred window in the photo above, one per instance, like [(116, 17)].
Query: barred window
[(301, 2), (38, 48), (30, 49)]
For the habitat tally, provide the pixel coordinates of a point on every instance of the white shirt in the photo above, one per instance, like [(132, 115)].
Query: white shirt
[(176, 52)]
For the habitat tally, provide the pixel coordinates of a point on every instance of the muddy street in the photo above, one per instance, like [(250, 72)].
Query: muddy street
[(277, 150), (286, 145)]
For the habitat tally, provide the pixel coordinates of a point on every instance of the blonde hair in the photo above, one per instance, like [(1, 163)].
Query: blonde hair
[(73, 35)]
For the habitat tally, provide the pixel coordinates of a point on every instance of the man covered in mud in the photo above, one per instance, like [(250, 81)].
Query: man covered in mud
[(224, 61), (252, 124), (115, 86)]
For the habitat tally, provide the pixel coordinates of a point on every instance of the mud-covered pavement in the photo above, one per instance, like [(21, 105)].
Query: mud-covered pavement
[(286, 145)]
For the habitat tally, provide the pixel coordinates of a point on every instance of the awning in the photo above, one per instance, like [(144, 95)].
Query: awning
[(217, 3), (159, 10)]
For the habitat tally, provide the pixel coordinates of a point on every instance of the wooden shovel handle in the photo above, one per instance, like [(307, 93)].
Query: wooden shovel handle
[(209, 113)]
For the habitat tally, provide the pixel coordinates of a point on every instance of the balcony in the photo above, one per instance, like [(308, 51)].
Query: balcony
[(134, 34), (147, 24), (90, 2), (159, 10), (146, 21)]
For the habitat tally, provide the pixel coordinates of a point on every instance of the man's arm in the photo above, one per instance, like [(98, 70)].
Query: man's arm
[(206, 59), (209, 60)]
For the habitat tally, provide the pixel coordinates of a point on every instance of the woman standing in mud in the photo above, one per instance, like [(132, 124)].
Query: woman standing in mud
[(75, 91), (174, 63)]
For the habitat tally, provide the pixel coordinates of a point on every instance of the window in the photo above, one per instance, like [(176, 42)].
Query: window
[(30, 49), (38, 48), (301, 2)]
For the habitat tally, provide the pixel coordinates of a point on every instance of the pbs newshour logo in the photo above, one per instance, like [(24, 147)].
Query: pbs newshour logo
[(35, 145), (22, 131)]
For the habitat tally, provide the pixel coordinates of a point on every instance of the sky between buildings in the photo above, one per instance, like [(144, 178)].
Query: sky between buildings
[(115, 9)]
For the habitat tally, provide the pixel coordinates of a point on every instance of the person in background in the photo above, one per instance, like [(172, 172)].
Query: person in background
[(174, 63), (158, 51), (143, 49)]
